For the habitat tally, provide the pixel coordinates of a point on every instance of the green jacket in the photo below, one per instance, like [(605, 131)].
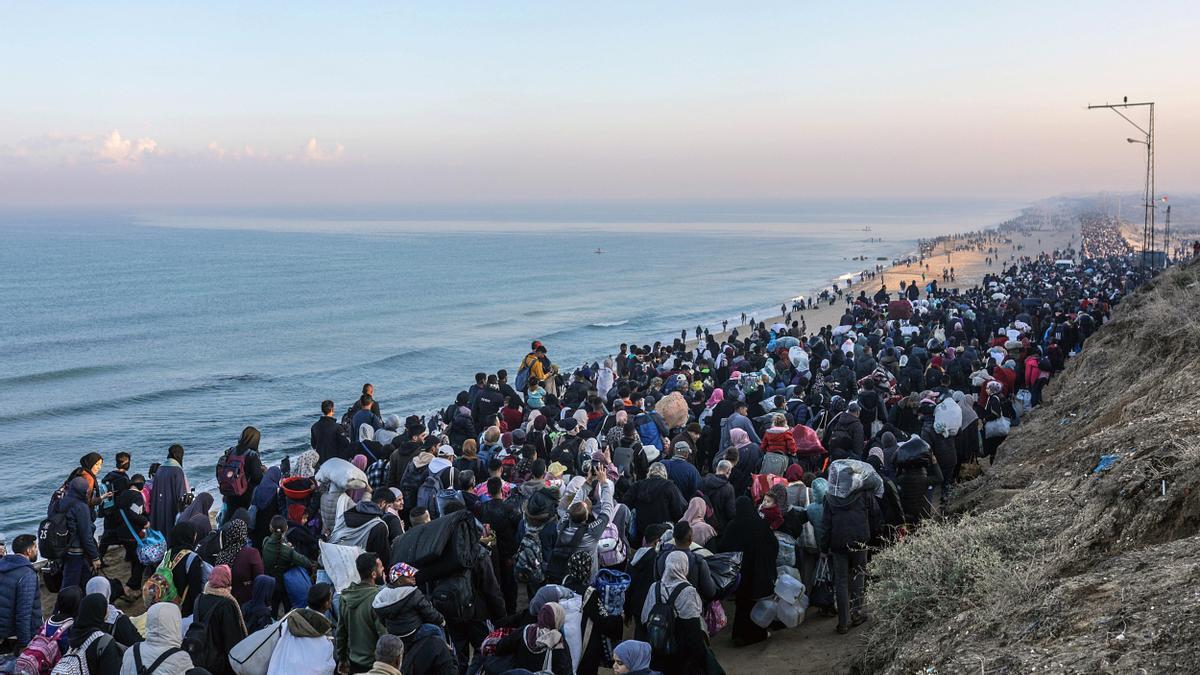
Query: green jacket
[(279, 556), (358, 627)]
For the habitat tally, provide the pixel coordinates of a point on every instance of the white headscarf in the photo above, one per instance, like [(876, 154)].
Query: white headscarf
[(675, 570), (103, 586)]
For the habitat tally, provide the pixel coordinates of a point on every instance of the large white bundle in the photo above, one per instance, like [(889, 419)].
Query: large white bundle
[(799, 358), (949, 415), (338, 562), (341, 474)]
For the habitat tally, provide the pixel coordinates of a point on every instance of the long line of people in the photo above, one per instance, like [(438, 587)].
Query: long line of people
[(533, 526)]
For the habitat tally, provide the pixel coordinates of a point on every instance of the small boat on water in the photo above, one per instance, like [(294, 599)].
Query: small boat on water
[(867, 229), (599, 251)]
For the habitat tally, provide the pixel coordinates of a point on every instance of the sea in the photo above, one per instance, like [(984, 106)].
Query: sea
[(135, 329)]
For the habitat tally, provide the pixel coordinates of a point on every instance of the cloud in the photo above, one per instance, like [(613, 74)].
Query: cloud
[(125, 151), (218, 151), (313, 151)]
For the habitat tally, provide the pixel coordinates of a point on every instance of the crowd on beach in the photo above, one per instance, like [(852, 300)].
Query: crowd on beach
[(624, 514)]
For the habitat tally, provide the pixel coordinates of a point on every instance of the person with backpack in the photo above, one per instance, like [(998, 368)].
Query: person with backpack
[(180, 575), (279, 556), (408, 614), (533, 368), (51, 641), (505, 520), (92, 650), (851, 521), (116, 483), (239, 471), (217, 624), (20, 592), (670, 620), (738, 420), (80, 556), (580, 529), (654, 500), (846, 427), (161, 653), (117, 624)]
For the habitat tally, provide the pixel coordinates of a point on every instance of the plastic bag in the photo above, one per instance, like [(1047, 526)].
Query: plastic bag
[(338, 562), (997, 428), (949, 414)]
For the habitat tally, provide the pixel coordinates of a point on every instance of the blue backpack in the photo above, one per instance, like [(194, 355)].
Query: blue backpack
[(647, 427)]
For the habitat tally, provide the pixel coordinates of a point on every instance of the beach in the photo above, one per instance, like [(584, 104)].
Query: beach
[(970, 266)]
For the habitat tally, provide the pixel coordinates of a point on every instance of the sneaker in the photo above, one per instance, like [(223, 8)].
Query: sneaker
[(859, 619), (842, 629)]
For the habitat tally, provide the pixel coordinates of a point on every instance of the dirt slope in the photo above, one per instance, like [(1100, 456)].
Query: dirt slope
[(1052, 566)]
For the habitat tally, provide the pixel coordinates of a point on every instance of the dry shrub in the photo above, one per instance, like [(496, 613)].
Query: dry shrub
[(993, 564)]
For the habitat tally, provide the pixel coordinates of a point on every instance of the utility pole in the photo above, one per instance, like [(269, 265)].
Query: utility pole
[(1148, 202), (1167, 234)]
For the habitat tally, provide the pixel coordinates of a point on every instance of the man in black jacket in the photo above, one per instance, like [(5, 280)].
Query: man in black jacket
[(325, 436), (719, 492), (487, 402), (850, 523), (504, 519)]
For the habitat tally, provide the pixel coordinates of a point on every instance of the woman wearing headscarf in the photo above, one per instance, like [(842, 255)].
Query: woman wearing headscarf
[(257, 612), (164, 635), (188, 573), (58, 626), (751, 535), (690, 645), (356, 494), (694, 516), (166, 495), (631, 657), (119, 625), (264, 505), (470, 459), (90, 640), (223, 617), (306, 464), (252, 468), (749, 460), (244, 561), (197, 513), (993, 409), (540, 646)]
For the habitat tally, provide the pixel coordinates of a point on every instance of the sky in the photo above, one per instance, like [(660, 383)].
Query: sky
[(345, 103)]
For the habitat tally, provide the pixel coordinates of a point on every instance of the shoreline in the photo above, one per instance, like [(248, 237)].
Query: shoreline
[(970, 267)]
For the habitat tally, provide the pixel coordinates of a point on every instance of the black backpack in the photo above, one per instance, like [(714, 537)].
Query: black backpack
[(198, 643), (556, 567), (454, 596), (660, 624)]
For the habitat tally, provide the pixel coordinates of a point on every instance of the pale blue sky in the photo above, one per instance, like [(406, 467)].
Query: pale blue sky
[(301, 102)]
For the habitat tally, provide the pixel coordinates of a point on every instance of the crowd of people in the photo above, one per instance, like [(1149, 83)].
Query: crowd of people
[(569, 519)]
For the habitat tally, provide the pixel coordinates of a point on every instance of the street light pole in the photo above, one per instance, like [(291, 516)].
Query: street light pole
[(1148, 202)]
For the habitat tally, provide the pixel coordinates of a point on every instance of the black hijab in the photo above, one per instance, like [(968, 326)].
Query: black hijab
[(92, 612), (249, 440), (66, 605)]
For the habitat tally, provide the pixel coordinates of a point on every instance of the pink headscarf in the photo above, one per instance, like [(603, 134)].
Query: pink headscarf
[(717, 396), (738, 438), (694, 516), (357, 494)]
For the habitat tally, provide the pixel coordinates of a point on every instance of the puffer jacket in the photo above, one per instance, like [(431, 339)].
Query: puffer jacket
[(426, 653), (403, 609), (914, 484), (845, 424), (779, 440), (79, 518), (20, 598), (850, 522)]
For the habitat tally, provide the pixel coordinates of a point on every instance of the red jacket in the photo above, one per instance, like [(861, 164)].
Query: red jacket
[(779, 440)]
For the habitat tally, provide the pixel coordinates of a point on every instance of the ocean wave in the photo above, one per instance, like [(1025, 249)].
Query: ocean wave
[(610, 324), (116, 403), (61, 374)]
